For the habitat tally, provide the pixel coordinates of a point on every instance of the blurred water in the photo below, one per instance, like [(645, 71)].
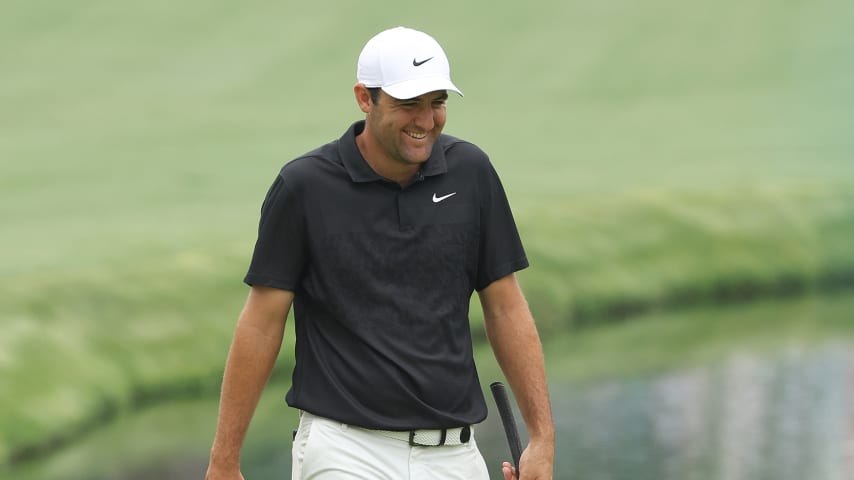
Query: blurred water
[(785, 416)]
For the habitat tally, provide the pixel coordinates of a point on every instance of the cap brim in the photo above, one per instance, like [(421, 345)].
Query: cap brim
[(419, 86)]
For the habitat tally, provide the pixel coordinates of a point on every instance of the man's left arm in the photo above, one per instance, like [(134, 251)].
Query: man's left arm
[(514, 339)]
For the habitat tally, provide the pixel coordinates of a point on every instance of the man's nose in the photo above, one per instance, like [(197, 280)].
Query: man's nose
[(424, 117)]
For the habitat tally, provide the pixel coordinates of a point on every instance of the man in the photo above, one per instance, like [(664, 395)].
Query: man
[(379, 240)]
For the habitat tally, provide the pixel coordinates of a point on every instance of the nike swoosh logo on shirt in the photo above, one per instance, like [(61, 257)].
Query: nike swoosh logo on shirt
[(439, 199)]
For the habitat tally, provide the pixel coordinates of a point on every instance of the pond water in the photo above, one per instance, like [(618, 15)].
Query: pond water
[(779, 413), (787, 416)]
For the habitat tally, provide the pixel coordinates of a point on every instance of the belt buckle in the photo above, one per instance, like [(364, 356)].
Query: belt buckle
[(442, 439)]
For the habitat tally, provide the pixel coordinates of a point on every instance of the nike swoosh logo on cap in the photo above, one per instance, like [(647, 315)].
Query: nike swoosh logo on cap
[(416, 63), (439, 199)]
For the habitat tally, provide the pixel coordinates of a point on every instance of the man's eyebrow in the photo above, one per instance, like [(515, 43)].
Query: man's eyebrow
[(442, 96)]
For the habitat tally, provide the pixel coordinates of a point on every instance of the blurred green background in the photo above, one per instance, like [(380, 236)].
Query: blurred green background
[(659, 155)]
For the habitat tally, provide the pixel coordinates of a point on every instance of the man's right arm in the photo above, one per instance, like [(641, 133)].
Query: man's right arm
[(253, 353)]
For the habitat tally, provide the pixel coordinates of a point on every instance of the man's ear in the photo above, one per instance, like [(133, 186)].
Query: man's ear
[(363, 97)]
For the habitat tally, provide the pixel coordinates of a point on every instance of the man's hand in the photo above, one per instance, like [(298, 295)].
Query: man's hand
[(256, 344), (537, 463), (509, 471), (513, 335)]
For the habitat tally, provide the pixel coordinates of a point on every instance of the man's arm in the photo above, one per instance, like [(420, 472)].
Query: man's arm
[(256, 344), (513, 335)]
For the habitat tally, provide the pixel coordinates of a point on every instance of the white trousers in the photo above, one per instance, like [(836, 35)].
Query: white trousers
[(328, 450)]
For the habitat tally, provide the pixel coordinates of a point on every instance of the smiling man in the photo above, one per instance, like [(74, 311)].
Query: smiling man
[(378, 240), (399, 134)]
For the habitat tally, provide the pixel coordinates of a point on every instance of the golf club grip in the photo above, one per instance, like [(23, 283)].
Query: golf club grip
[(509, 422)]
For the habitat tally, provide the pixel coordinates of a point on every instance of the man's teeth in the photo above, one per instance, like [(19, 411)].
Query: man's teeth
[(416, 135)]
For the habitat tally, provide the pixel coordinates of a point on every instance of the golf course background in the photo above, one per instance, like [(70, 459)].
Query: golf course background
[(657, 155)]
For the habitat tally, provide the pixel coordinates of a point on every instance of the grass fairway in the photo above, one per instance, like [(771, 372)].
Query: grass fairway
[(656, 153)]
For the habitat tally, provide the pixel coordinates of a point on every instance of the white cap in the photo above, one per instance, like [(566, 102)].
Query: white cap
[(405, 63)]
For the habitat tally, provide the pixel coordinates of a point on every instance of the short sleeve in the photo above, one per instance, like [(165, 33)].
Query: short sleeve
[(501, 252), (280, 251)]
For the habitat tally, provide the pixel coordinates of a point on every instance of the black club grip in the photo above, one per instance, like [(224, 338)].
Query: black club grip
[(509, 422)]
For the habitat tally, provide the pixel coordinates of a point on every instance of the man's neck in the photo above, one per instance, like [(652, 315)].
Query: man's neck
[(385, 167)]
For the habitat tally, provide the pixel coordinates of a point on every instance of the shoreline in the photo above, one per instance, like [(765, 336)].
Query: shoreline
[(142, 397)]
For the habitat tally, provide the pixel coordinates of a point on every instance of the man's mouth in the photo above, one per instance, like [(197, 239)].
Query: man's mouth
[(415, 135)]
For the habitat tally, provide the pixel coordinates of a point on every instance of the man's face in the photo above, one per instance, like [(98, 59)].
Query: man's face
[(407, 129)]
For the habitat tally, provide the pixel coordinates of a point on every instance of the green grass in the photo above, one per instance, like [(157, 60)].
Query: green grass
[(651, 249), (657, 154)]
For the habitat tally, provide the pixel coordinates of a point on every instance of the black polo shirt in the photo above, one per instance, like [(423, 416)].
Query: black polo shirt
[(382, 277)]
